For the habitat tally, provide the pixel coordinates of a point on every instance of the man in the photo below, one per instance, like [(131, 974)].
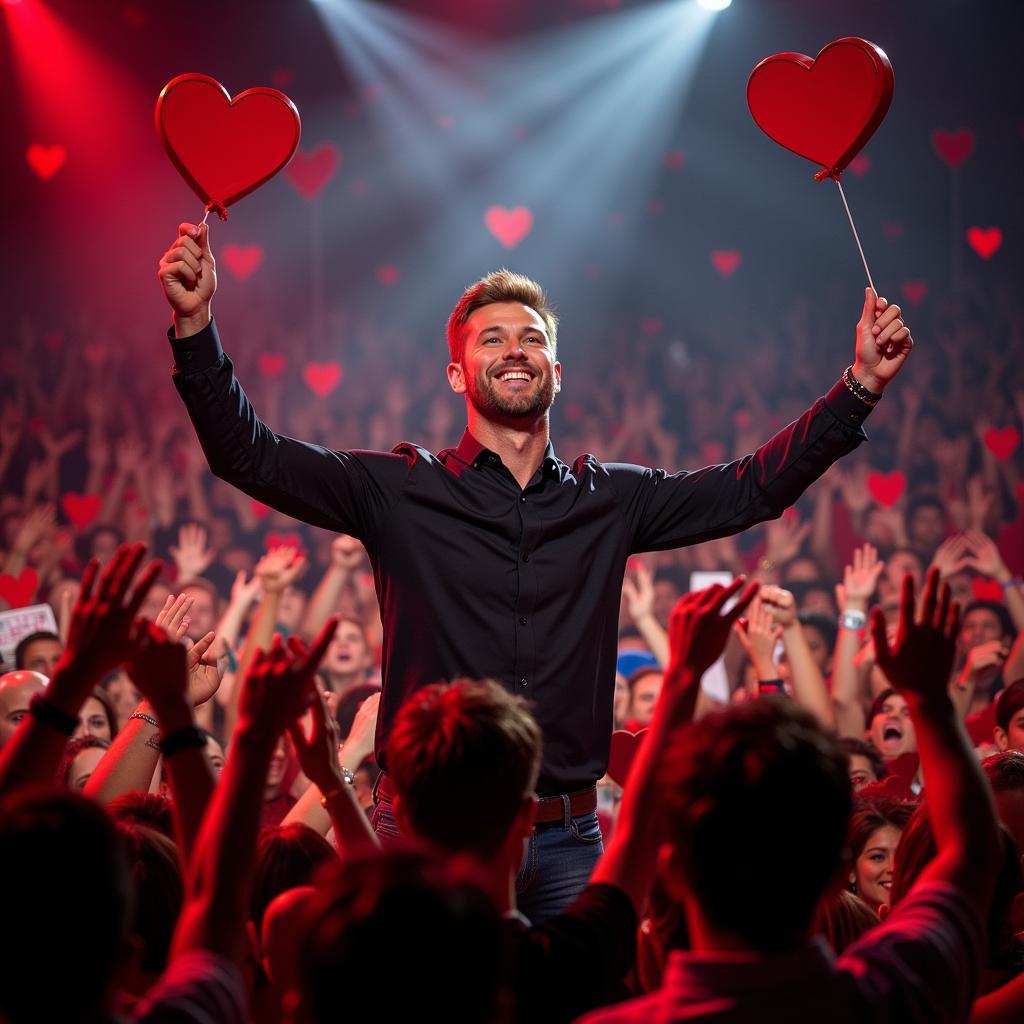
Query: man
[(495, 559), (756, 784), (1009, 716), (38, 652), (16, 692)]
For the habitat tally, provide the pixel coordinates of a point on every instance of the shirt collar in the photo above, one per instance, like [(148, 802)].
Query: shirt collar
[(472, 453)]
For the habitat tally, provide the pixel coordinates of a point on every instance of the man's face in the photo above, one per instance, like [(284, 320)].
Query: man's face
[(980, 626), (16, 690), (1013, 737), (42, 656), (862, 772), (508, 370), (891, 730), (348, 652), (645, 695), (926, 527)]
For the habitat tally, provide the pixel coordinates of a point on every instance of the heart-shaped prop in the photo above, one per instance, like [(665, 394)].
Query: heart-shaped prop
[(18, 590), (826, 108), (1002, 443), (887, 488), (623, 750), (509, 227), (223, 147), (81, 509)]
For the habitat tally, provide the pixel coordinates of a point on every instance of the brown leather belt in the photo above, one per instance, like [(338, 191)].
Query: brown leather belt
[(551, 810)]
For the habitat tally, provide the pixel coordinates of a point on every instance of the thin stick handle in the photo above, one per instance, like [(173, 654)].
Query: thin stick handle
[(856, 237)]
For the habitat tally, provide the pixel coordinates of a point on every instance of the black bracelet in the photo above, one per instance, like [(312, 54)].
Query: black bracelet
[(49, 714), (859, 390), (190, 737)]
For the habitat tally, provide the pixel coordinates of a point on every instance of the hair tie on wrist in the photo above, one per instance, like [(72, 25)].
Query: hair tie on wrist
[(190, 737), (49, 714)]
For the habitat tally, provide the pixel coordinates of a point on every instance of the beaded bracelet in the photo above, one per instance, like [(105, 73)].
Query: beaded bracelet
[(858, 390), (145, 718), (49, 714), (191, 737)]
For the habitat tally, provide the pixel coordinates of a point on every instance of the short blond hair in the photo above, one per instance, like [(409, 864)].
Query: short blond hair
[(499, 286)]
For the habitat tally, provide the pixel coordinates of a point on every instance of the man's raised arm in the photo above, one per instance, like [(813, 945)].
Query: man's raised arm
[(344, 491)]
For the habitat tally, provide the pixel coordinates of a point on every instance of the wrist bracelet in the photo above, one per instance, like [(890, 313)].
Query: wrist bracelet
[(49, 714), (768, 687), (145, 718), (854, 621), (859, 390), (189, 737)]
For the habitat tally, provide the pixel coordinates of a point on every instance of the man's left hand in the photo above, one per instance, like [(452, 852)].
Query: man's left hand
[(883, 343)]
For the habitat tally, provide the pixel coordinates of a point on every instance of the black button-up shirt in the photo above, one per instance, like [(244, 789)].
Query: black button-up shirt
[(477, 577)]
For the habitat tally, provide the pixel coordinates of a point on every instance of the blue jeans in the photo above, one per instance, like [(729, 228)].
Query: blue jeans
[(556, 865)]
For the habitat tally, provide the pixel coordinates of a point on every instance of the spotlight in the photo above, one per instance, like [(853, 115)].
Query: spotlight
[(714, 5)]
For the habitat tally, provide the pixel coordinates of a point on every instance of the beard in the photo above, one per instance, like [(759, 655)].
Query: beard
[(493, 403)]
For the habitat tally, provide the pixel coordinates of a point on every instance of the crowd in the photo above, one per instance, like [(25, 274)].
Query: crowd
[(825, 815)]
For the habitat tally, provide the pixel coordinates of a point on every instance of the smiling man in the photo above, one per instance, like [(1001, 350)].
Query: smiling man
[(496, 559)]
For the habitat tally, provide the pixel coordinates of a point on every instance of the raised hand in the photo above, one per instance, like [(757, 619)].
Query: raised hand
[(205, 670), (759, 634), (359, 741), (245, 591), (784, 538), (779, 604), (951, 556), (101, 623), (317, 753), (173, 619), (191, 556), (859, 579), (156, 663), (883, 343), (638, 590), (346, 553), (697, 628), (984, 662), (984, 556), (188, 276), (278, 568), (35, 525), (279, 684), (920, 659)]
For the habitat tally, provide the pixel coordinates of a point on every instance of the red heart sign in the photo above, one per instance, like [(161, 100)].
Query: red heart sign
[(887, 488), (45, 161), (914, 292), (322, 378), (18, 590), (270, 365), (726, 261), (310, 172), (81, 509), (509, 227), (623, 750), (225, 148), (984, 241), (1002, 443), (242, 260), (953, 147), (823, 109)]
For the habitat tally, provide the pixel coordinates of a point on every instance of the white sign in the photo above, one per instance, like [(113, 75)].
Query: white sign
[(18, 623)]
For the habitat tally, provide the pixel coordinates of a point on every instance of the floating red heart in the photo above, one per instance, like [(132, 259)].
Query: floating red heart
[(823, 109), (322, 378), (509, 227), (18, 590), (45, 161), (310, 172), (887, 488), (388, 275), (1002, 443), (225, 148), (242, 260), (726, 261), (986, 590), (81, 509), (953, 147), (622, 752), (984, 241), (914, 292), (270, 364)]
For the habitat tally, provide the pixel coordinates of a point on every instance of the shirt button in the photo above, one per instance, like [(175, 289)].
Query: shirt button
[(855, 417), (522, 620), (526, 557), (522, 682), (188, 354), (522, 497)]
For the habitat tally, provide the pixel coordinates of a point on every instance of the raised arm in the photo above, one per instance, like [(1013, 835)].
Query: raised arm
[(347, 556), (958, 797), (343, 491), (639, 594), (698, 631), (669, 510)]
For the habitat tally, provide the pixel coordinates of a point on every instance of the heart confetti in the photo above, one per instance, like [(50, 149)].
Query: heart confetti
[(953, 148), (388, 275), (81, 509), (1002, 443), (322, 378), (45, 161), (18, 590), (726, 261), (242, 260), (310, 172), (270, 364), (509, 227), (887, 488), (985, 241)]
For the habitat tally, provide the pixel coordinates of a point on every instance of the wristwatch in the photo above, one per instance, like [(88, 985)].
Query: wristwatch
[(854, 621)]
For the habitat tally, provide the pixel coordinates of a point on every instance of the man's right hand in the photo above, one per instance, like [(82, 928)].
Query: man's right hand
[(188, 276)]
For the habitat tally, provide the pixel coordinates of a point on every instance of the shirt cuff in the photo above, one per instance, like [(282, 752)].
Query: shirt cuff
[(846, 406), (197, 352)]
